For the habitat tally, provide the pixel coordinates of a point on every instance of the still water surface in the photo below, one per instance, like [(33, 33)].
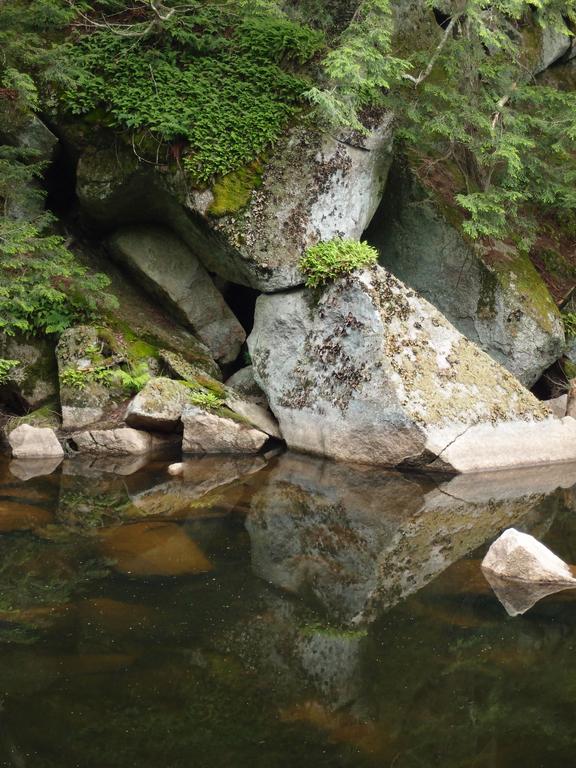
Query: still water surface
[(291, 614)]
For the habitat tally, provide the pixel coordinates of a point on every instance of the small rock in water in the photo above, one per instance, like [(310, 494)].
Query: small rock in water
[(521, 571), (176, 469)]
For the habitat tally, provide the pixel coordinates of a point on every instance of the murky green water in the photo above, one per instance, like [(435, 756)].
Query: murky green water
[(298, 613)]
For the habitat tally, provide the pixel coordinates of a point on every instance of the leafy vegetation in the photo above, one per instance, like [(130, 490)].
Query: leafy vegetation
[(569, 319), (326, 261), (131, 381), (43, 289), (206, 400), (213, 82), (467, 102), (5, 367)]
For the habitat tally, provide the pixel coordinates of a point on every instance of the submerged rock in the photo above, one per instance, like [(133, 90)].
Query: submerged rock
[(370, 372), (29, 442), (26, 469), (154, 549), (207, 432), (495, 298), (169, 269)]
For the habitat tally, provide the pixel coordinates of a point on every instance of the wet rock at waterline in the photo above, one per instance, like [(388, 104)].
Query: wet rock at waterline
[(370, 372), (169, 269), (158, 406), (29, 442), (121, 441), (203, 482), (207, 432), (517, 596), (360, 540)]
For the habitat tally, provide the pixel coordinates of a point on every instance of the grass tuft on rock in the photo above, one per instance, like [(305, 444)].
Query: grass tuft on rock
[(327, 261)]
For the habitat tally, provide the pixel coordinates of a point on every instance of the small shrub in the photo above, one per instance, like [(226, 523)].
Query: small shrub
[(569, 319), (326, 261), (207, 400), (5, 367)]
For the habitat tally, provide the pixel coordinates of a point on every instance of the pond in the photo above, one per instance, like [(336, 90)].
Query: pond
[(277, 613)]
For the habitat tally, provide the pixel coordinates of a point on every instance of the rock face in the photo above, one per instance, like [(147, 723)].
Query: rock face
[(83, 353), (206, 432), (314, 187), (158, 406), (34, 381), (496, 300), (244, 383), (371, 373), (169, 269), (122, 441), (34, 443), (516, 555)]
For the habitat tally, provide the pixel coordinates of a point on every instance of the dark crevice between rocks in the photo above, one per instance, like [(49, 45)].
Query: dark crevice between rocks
[(553, 382), (60, 184), (11, 401), (242, 302)]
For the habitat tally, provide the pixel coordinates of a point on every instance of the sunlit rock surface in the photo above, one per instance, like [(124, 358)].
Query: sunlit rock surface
[(29, 442), (369, 372), (210, 432), (360, 540)]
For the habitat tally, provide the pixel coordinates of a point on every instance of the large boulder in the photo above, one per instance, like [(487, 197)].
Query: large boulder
[(370, 372), (313, 188), (209, 432), (29, 442), (495, 298), (169, 269)]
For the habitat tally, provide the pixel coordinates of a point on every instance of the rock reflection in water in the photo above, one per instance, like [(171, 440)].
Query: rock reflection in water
[(359, 540), (518, 596)]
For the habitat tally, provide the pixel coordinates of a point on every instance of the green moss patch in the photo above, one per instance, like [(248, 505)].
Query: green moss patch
[(232, 192)]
